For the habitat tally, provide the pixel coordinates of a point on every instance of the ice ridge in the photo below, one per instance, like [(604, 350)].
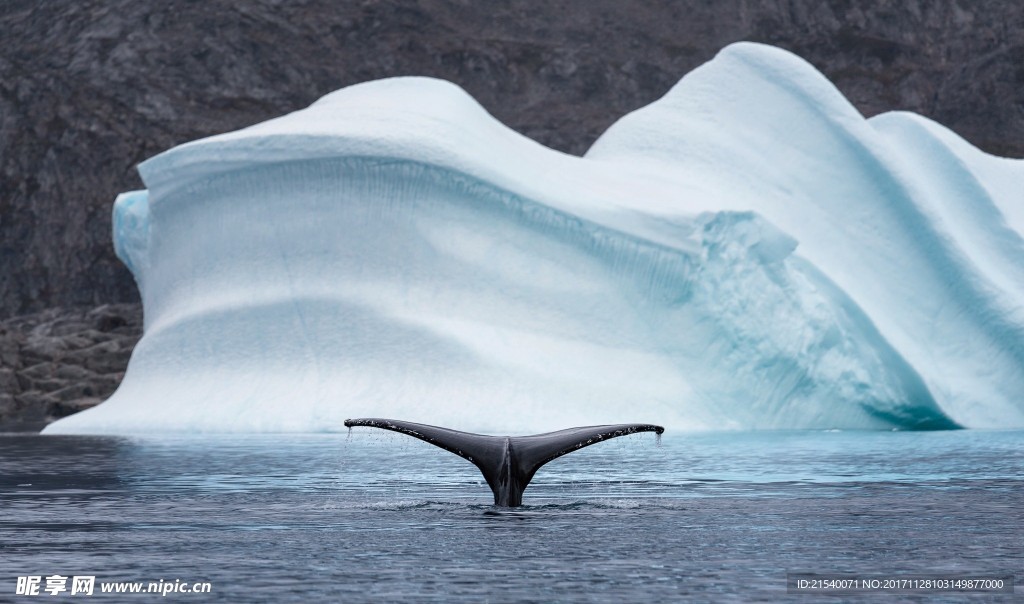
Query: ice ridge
[(748, 252)]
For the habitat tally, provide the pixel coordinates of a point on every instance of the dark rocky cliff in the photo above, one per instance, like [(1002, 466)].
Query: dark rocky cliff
[(89, 88)]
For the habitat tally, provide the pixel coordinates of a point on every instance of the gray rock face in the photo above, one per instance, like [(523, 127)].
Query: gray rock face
[(61, 361), (90, 88)]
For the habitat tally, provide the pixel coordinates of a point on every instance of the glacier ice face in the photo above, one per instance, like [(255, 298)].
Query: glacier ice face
[(747, 252), (130, 223)]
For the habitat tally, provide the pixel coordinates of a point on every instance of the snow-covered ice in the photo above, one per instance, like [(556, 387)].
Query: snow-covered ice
[(748, 252)]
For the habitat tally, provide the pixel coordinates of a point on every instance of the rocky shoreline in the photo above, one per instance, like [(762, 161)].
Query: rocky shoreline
[(63, 360)]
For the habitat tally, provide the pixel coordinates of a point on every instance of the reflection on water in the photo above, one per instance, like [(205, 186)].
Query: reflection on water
[(377, 515)]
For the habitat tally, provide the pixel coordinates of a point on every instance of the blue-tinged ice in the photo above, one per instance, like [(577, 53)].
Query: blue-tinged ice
[(130, 222), (747, 252)]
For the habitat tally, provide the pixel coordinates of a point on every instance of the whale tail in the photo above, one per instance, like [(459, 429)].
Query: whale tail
[(508, 463)]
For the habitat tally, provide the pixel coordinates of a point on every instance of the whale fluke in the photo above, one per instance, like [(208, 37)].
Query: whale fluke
[(508, 463)]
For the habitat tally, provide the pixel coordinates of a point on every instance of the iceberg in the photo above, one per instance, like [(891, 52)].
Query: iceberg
[(748, 252)]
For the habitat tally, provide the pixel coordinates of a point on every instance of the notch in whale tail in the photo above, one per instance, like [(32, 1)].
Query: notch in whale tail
[(508, 463)]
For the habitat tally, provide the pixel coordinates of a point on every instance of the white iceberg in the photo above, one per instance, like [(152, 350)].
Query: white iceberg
[(748, 252)]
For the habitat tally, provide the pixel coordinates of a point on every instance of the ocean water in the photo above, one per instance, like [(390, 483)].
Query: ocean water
[(375, 516)]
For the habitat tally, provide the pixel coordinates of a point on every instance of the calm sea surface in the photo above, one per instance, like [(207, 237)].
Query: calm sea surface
[(375, 516)]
